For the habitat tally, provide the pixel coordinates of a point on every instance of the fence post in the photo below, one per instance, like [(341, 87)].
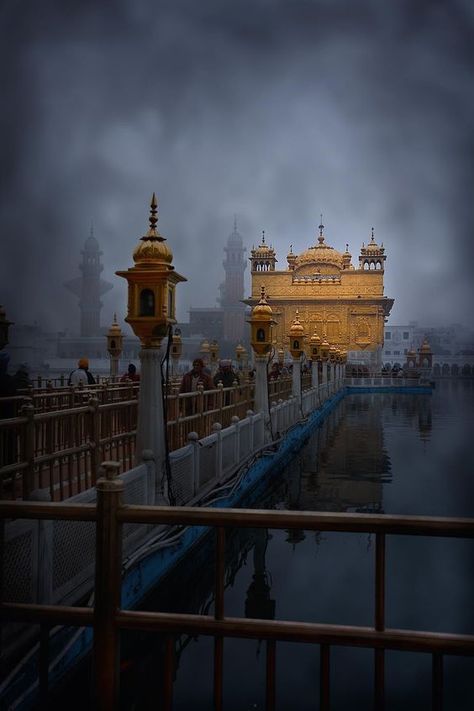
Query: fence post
[(94, 435), (249, 414), (235, 422), (28, 447), (107, 588), (216, 427), (193, 439)]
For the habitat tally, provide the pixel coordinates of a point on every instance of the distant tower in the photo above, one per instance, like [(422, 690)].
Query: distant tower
[(232, 289), (89, 287)]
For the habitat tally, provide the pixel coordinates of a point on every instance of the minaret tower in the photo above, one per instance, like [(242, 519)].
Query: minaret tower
[(89, 287), (232, 289)]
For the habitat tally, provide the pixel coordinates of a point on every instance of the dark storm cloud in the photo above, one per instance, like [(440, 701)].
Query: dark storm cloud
[(274, 110)]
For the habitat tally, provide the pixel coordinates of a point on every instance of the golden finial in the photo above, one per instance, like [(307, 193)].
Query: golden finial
[(153, 218), (321, 228), (235, 223), (263, 236), (372, 234), (291, 249), (263, 296), (347, 246)]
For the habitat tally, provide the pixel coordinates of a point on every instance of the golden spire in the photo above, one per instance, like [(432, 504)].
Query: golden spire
[(152, 249), (321, 228), (153, 219)]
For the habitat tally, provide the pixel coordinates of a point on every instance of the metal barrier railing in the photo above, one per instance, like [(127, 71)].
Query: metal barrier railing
[(107, 618), (62, 449)]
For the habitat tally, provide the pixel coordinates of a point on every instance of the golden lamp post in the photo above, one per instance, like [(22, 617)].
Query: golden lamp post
[(315, 355), (241, 356), (176, 350), (214, 356), (296, 349), (261, 321), (114, 347), (151, 311)]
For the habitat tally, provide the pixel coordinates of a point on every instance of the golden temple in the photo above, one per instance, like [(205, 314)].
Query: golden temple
[(337, 300)]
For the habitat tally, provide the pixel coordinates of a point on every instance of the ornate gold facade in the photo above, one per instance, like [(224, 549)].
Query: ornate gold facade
[(344, 303)]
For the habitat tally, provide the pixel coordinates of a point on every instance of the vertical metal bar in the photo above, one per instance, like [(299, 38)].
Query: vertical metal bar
[(271, 659), (219, 615), (168, 674), (324, 686), (107, 590), (44, 665), (379, 654), (218, 673), (220, 554), (437, 682)]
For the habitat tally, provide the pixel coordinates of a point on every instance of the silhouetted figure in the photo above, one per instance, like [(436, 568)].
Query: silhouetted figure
[(131, 374), (82, 375)]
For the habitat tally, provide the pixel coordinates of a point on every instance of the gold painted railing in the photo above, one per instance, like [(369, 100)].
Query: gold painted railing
[(107, 618)]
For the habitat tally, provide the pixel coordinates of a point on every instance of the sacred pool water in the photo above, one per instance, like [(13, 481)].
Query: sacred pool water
[(375, 453)]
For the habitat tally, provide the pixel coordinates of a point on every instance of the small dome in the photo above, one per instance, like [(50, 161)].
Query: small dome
[(425, 346), (315, 340), (296, 327), (115, 329), (262, 311), (372, 247)]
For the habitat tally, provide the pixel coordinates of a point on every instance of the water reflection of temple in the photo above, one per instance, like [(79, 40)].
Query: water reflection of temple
[(345, 464)]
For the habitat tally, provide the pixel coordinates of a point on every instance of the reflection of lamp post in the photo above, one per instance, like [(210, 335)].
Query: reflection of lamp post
[(114, 347), (258, 603), (151, 310), (4, 326), (261, 321), (296, 350), (176, 350)]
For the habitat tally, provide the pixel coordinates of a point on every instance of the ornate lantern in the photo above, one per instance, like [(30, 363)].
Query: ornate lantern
[(214, 352), (425, 354), (151, 286), (241, 356), (114, 339), (4, 326), (261, 321), (332, 353), (315, 346), (176, 345), (324, 349), (296, 337), (205, 350)]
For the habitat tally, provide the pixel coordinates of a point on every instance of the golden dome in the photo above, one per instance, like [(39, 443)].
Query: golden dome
[(321, 253), (315, 339), (152, 249), (373, 247), (262, 311), (325, 343), (263, 249), (296, 327), (425, 346), (205, 347)]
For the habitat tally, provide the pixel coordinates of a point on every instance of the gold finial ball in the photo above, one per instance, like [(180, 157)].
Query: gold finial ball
[(205, 348)]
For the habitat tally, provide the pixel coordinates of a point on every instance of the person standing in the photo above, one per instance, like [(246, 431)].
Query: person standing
[(131, 374), (190, 382), (82, 374)]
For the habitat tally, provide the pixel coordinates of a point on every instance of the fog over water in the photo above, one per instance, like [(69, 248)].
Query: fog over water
[(273, 110)]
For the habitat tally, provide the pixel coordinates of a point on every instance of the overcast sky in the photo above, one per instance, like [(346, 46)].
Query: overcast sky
[(275, 110)]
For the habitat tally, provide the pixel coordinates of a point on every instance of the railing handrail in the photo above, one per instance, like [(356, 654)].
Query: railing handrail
[(107, 617), (454, 527)]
